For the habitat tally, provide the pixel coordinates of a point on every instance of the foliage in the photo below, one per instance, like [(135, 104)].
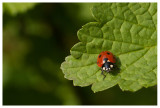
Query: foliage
[(129, 31), (15, 8), (32, 55), (35, 43)]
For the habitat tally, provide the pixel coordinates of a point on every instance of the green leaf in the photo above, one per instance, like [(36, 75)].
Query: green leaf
[(15, 8), (129, 31)]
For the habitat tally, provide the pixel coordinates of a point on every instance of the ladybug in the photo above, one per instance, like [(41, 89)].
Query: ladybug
[(106, 61)]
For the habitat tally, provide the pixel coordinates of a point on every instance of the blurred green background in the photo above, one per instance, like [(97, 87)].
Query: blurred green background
[(36, 39)]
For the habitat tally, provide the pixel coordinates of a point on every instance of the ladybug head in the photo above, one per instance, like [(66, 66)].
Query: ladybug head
[(107, 65)]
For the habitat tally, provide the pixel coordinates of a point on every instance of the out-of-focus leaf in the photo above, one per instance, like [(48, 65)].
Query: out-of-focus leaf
[(15, 8)]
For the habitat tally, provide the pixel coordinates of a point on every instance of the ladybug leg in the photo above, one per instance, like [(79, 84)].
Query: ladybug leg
[(104, 77), (103, 74)]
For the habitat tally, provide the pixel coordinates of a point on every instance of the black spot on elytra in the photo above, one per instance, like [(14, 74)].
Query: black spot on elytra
[(108, 53), (99, 56)]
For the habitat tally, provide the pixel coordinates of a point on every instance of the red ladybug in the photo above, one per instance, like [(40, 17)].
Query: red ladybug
[(106, 61)]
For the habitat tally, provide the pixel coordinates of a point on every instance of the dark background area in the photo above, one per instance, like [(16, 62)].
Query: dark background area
[(36, 40)]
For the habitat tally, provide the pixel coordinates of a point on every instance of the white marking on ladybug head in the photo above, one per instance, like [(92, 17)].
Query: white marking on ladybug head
[(111, 66), (103, 61), (108, 61), (104, 68)]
